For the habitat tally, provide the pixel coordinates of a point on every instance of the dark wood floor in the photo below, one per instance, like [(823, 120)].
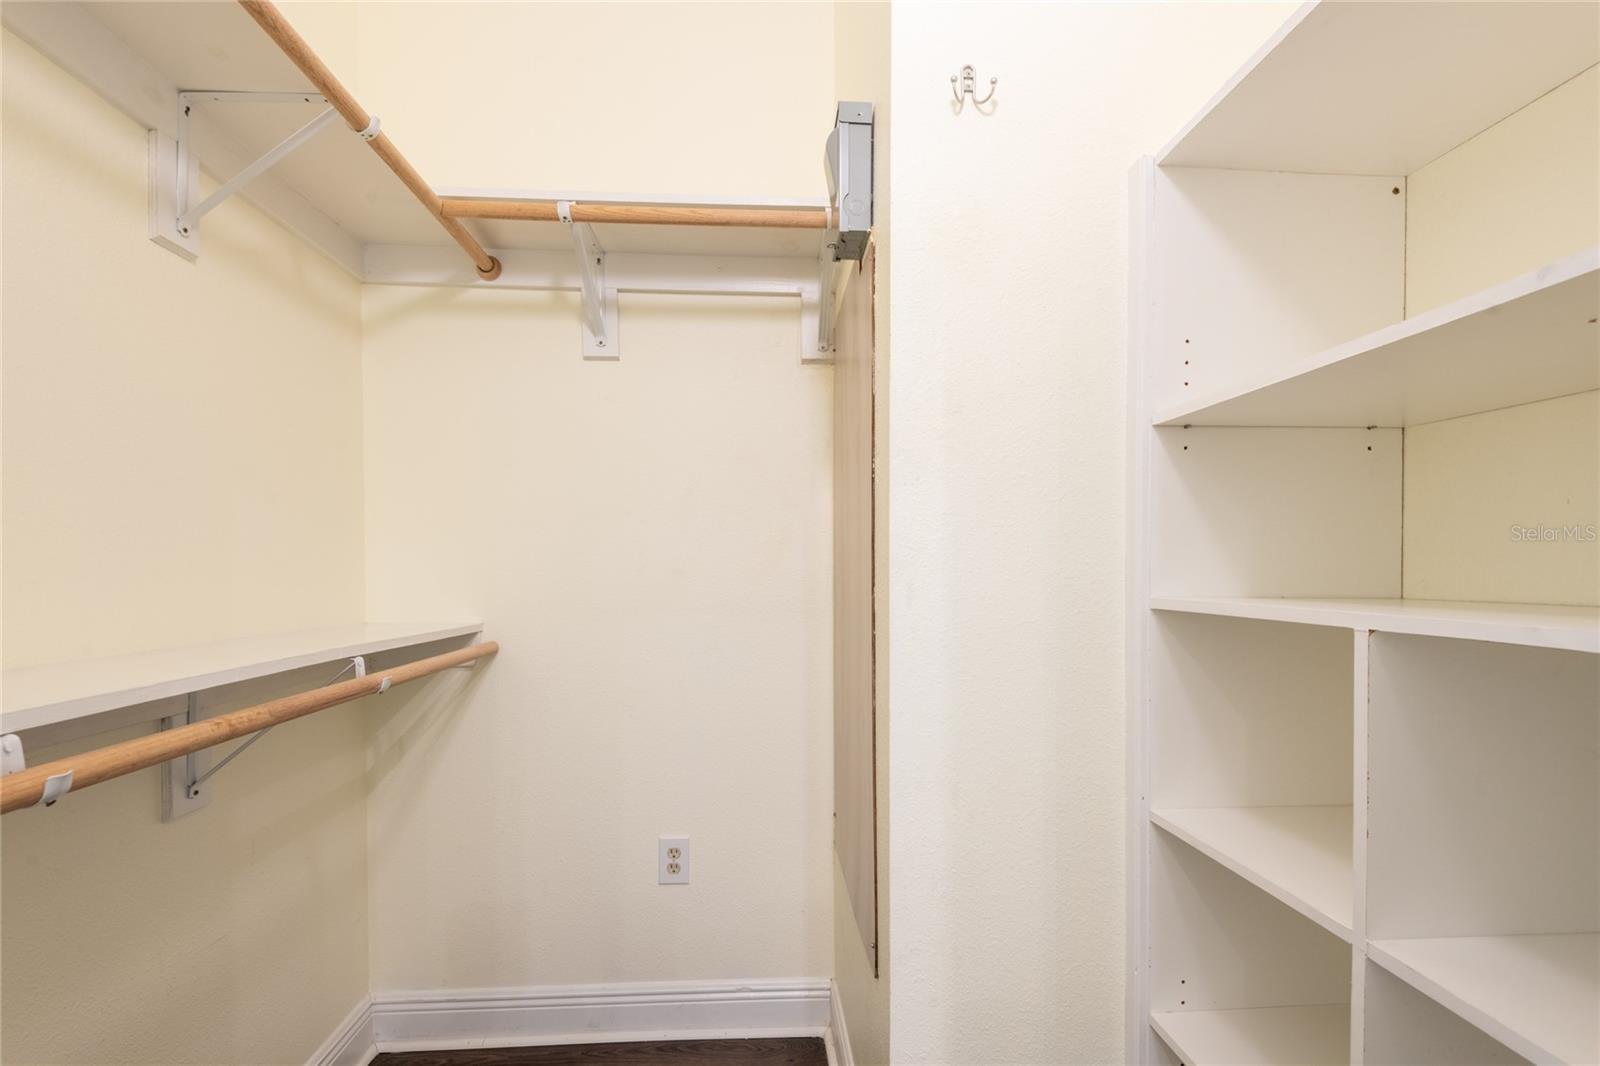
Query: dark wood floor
[(788, 1051)]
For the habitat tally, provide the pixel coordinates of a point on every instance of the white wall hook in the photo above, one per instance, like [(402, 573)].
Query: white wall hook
[(374, 128), (965, 85)]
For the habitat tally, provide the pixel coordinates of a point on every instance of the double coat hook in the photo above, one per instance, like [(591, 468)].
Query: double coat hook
[(965, 84)]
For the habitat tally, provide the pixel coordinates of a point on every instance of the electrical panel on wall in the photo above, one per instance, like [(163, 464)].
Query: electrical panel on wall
[(848, 163), (849, 167)]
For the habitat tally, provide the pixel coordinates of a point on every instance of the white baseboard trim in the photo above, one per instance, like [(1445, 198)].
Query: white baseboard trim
[(839, 1053), (600, 1013), (352, 1043)]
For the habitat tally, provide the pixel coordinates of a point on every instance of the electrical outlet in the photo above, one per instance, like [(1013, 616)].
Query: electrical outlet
[(672, 860)]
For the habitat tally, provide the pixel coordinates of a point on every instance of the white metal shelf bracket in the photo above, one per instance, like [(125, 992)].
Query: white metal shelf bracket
[(181, 778), (175, 205), (599, 301)]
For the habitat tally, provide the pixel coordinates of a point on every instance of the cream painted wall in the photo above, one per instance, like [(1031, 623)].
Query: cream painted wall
[(1006, 409), (1504, 506), (650, 540), (861, 72), (630, 98), (1521, 194), (181, 463)]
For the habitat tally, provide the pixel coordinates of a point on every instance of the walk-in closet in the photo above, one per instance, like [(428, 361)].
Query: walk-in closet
[(808, 533)]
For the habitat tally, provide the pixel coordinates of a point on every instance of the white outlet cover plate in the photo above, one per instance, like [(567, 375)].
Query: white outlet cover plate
[(672, 860)]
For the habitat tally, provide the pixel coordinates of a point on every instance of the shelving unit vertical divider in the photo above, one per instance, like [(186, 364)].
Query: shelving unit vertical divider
[(1361, 642)]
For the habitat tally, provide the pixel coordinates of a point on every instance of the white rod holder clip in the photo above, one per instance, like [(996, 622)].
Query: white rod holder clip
[(12, 757), (55, 786)]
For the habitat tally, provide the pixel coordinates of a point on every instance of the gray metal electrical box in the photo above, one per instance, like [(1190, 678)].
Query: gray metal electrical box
[(849, 166)]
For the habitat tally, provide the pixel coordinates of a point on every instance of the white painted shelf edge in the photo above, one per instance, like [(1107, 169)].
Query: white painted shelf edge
[(1258, 1035), (1539, 995), (1528, 624), (1300, 856), (1383, 88), (1371, 368), (58, 692)]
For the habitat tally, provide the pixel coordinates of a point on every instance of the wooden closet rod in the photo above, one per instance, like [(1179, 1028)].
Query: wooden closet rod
[(644, 214), (26, 787), (269, 18)]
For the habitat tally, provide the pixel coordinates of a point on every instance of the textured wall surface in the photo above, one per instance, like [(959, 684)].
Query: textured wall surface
[(1006, 442), (182, 462), (650, 540), (641, 98)]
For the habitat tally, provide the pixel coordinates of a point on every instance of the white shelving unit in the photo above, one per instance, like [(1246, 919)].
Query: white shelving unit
[(1362, 824), (56, 693)]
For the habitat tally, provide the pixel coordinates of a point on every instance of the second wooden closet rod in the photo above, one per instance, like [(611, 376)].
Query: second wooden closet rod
[(27, 787), (316, 71)]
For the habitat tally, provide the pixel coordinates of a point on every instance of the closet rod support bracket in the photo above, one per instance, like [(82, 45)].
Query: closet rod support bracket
[(599, 301), (181, 779), (176, 207)]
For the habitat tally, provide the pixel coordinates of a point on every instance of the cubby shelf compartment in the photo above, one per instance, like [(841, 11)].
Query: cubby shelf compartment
[(1533, 625), (1528, 339), (1538, 995), (1298, 855), (1385, 88), (1312, 1036), (59, 692)]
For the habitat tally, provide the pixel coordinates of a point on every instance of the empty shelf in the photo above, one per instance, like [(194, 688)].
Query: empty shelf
[(1533, 625), (1270, 1036), (1532, 338), (1538, 995), (44, 695), (1385, 88), (1299, 855)]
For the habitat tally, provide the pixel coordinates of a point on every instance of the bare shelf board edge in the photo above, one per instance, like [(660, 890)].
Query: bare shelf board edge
[(1527, 624), (58, 692), (1258, 1036), (1538, 994), (1300, 856), (1526, 339), (1384, 88)]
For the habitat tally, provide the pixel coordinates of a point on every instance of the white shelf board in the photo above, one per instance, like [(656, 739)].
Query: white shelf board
[(1368, 88), (1298, 855), (1538, 995), (203, 45), (1529, 624), (58, 692), (1268, 1036), (1527, 339)]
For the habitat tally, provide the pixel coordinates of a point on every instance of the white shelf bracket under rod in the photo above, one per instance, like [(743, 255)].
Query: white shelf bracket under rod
[(181, 778), (599, 302)]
